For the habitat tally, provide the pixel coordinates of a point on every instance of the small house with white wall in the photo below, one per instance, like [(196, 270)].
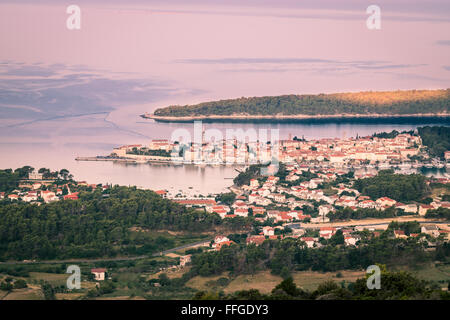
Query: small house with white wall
[(99, 274)]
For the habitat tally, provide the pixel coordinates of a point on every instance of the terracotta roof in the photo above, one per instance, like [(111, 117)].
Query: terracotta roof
[(225, 243), (256, 239)]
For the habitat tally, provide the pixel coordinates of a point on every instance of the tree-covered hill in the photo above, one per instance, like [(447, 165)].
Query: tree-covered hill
[(95, 226), (360, 103), (400, 187), (437, 139)]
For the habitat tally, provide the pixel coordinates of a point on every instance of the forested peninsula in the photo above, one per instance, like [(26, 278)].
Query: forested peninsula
[(369, 104)]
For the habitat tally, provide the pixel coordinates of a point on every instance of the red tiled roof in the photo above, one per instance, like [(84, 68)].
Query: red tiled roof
[(73, 196), (225, 243), (256, 239)]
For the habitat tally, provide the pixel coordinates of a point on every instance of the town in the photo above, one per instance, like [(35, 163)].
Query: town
[(404, 152), (318, 179)]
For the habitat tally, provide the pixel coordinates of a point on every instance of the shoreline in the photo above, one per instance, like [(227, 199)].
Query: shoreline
[(160, 161), (125, 160), (300, 117), (183, 163)]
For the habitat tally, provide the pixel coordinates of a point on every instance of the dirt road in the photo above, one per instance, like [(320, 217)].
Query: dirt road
[(371, 222)]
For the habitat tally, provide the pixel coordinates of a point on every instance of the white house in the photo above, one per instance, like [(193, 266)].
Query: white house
[(263, 202), (411, 208), (324, 210), (279, 197), (185, 259), (252, 197), (254, 183), (268, 231), (243, 212), (13, 197), (99, 274), (423, 209), (327, 232), (385, 201), (35, 176), (367, 204), (29, 197), (432, 230), (219, 239), (350, 241), (309, 241)]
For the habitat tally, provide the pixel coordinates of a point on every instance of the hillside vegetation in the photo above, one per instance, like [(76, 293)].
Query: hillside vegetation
[(97, 226), (400, 187), (437, 139), (360, 103)]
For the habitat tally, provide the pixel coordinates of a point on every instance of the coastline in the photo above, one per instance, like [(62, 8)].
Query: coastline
[(300, 117), (170, 161)]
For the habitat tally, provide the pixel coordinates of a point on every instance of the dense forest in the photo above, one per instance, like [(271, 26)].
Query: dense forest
[(149, 152), (362, 213), (439, 213), (390, 135), (436, 139), (400, 187), (361, 103), (96, 225), (9, 179), (252, 172)]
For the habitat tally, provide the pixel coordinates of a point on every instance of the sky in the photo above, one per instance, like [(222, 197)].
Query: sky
[(134, 56)]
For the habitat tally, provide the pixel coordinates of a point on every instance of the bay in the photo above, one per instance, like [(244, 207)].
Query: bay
[(56, 143)]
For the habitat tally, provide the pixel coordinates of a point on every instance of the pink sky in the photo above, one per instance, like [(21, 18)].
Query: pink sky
[(192, 45)]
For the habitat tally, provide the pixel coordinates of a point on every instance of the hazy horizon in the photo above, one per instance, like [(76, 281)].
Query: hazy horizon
[(134, 56)]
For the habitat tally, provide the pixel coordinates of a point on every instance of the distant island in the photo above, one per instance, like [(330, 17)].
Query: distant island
[(369, 104)]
